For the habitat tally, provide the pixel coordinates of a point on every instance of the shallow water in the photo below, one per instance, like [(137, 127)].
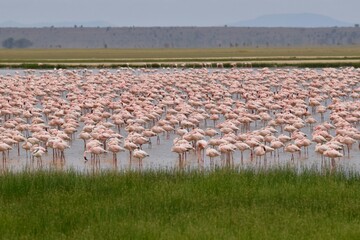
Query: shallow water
[(162, 158)]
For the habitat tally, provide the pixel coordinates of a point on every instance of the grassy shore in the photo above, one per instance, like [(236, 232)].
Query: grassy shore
[(269, 57), (224, 204), (269, 64)]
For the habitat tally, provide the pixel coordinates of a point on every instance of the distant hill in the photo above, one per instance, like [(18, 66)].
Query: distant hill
[(302, 20), (308, 20)]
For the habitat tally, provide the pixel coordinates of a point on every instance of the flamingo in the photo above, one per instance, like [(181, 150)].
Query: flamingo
[(130, 146), (260, 151), (200, 146), (26, 146), (84, 136), (291, 148), (242, 147), (211, 132), (228, 149), (157, 130), (148, 134), (140, 140), (140, 155), (18, 139), (332, 154), (3, 148), (276, 144), (211, 153), (114, 148), (95, 153), (180, 150), (37, 153), (348, 141), (60, 145)]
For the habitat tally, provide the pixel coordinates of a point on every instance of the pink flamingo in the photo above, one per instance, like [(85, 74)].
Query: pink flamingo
[(140, 155), (211, 153), (114, 148), (292, 148)]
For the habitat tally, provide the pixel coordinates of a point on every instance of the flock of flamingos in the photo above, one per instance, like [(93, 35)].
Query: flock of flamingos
[(233, 117)]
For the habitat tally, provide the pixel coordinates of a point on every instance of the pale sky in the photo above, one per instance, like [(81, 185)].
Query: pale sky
[(169, 12)]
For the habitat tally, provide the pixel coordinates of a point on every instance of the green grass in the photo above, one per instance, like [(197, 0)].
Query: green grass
[(224, 204), (75, 55), (151, 58)]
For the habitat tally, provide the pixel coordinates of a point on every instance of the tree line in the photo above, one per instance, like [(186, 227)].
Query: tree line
[(16, 43)]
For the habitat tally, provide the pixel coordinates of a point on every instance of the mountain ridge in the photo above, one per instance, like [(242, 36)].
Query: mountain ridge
[(307, 20), (271, 20)]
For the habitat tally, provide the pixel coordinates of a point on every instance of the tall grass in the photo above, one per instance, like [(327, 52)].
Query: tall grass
[(225, 204)]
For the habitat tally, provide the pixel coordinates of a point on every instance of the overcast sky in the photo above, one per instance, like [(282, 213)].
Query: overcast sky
[(169, 12)]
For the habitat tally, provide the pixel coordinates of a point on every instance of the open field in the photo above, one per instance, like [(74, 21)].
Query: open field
[(224, 204), (173, 53), (261, 57)]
